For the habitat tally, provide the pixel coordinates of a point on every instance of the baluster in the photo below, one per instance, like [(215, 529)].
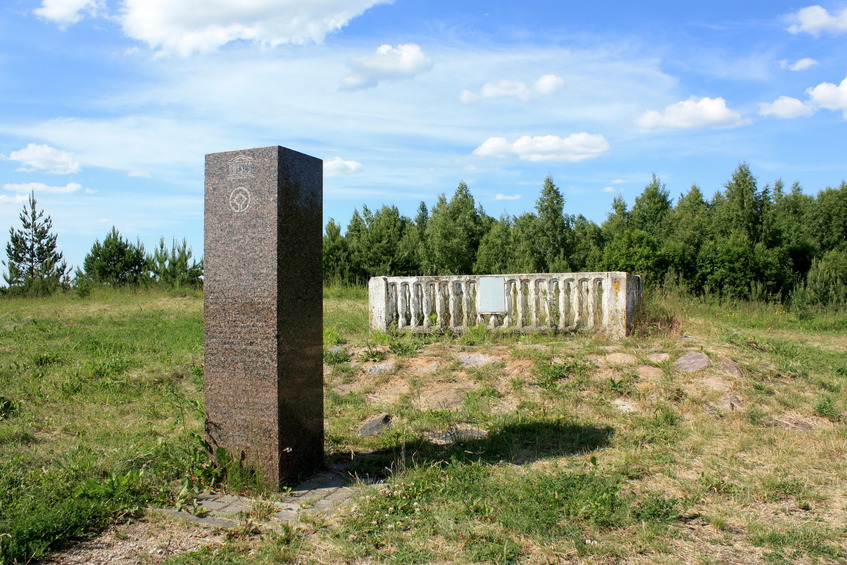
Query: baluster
[(552, 292), (598, 302), (427, 304), (589, 323), (391, 304), (587, 298), (507, 319), (533, 303), (563, 304), (451, 289), (576, 303), (519, 297), (439, 305), (414, 303), (467, 302), (401, 305)]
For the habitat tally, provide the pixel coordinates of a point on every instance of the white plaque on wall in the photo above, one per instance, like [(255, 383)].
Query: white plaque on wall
[(492, 295)]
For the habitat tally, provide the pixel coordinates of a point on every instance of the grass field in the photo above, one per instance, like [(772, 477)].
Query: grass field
[(569, 448)]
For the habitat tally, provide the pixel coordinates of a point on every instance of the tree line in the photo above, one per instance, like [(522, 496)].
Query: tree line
[(35, 266), (746, 241)]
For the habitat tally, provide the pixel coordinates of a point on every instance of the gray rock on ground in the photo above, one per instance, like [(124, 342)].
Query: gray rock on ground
[(381, 368), (731, 368), (693, 361), (475, 360), (375, 425)]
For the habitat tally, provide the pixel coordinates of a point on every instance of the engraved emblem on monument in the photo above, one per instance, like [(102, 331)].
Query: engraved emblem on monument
[(241, 167), (239, 199)]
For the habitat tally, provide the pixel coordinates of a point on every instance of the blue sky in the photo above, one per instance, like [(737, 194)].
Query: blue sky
[(108, 106)]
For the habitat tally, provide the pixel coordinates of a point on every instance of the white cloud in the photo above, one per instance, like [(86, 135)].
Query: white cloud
[(786, 107), (507, 197), (800, 65), (65, 12), (609, 189), (829, 96), (547, 84), (617, 181), (469, 97), (28, 187), (337, 167), (815, 19), (386, 63), (37, 157), (575, 147), (693, 113), (190, 26), (506, 89), (13, 199)]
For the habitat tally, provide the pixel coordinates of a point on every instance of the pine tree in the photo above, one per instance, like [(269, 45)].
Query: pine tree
[(554, 229), (116, 261), (35, 266)]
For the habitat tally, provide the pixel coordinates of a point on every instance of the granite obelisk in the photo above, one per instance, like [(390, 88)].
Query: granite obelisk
[(263, 316)]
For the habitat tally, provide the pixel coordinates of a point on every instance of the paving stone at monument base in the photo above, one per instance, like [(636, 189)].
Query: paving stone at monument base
[(322, 495)]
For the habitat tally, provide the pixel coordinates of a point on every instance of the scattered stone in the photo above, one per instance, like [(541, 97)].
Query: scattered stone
[(648, 372), (449, 396), (375, 425), (731, 403), (717, 384), (389, 393), (711, 409), (424, 369), (693, 361), (455, 435), (621, 359), (347, 388), (475, 360), (623, 406), (381, 368), (658, 357), (787, 424), (610, 348), (337, 350), (731, 368)]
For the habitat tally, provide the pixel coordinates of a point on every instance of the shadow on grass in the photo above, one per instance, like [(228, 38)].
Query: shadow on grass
[(516, 443)]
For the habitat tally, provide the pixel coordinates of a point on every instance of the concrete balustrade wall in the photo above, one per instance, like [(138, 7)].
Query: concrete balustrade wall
[(560, 302)]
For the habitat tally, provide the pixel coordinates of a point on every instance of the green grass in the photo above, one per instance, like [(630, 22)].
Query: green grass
[(101, 414)]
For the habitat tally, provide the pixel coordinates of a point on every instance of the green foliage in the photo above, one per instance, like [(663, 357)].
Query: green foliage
[(173, 267), (633, 251), (826, 281), (34, 264), (746, 242), (116, 261), (553, 232), (337, 262), (7, 407), (453, 233)]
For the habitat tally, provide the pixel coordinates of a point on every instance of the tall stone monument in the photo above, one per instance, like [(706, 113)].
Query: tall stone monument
[(263, 309)]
